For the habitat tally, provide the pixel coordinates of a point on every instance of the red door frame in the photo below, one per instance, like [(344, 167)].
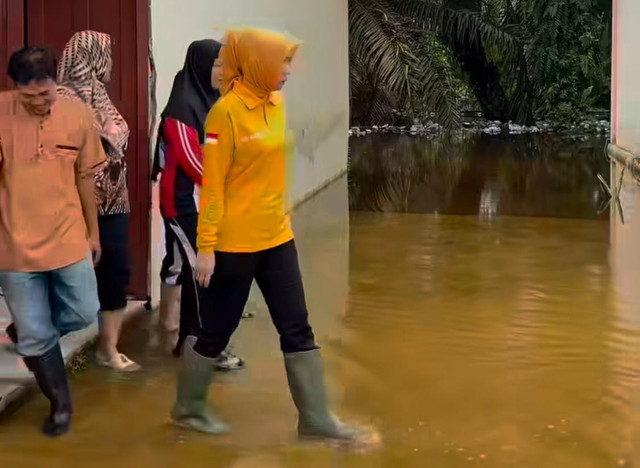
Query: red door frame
[(141, 170), (13, 36)]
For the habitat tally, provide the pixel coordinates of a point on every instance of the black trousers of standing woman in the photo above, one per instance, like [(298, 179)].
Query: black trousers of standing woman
[(277, 273), (182, 233), (113, 271)]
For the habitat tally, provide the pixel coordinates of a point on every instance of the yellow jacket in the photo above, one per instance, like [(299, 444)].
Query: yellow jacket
[(242, 201)]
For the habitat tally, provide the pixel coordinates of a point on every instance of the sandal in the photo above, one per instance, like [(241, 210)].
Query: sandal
[(227, 361), (119, 363)]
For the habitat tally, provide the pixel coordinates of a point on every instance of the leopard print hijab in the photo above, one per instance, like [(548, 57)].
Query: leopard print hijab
[(85, 62), (83, 69)]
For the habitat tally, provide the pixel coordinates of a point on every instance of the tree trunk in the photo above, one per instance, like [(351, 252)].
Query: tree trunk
[(484, 78), (483, 75)]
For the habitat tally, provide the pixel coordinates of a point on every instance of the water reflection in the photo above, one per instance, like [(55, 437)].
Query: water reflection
[(519, 175)]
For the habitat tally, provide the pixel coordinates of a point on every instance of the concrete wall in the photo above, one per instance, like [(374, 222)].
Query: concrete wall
[(626, 72), (625, 217), (317, 94)]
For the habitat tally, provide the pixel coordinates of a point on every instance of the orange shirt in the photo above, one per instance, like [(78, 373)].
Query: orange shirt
[(242, 200), (41, 221)]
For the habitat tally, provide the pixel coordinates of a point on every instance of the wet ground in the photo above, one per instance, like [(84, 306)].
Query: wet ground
[(470, 337)]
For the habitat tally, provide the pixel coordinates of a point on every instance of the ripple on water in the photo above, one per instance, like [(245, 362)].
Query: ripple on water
[(522, 336)]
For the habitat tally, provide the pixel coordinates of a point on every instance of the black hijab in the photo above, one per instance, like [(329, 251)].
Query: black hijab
[(191, 96)]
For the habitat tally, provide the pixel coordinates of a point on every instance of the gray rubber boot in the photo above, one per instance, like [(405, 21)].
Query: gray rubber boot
[(306, 382), (191, 410)]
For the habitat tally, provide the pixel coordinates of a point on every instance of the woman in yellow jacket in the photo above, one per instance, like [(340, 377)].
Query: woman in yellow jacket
[(245, 233)]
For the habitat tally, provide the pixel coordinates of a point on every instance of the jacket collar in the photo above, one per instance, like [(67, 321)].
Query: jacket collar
[(250, 99)]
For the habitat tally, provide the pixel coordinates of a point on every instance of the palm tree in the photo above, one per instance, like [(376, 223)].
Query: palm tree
[(394, 60), (520, 57)]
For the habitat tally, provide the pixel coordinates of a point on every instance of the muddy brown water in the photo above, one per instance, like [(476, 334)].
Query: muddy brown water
[(466, 306)]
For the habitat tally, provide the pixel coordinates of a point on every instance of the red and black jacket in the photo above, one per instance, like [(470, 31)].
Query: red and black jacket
[(179, 158)]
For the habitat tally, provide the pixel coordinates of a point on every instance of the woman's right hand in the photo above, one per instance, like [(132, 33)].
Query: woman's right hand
[(205, 264)]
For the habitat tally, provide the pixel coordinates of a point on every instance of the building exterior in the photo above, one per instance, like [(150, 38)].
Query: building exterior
[(625, 214), (624, 150), (625, 97), (318, 94)]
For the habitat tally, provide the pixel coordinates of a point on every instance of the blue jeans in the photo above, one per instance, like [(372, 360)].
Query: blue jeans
[(46, 305)]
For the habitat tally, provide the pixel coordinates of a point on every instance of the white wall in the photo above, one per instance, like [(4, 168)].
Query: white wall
[(317, 94), (626, 134), (625, 248), (626, 73)]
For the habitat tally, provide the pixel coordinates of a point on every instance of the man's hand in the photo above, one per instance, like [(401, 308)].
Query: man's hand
[(95, 248), (86, 190), (205, 264)]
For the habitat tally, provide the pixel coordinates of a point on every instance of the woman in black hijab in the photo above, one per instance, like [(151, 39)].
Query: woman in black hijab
[(179, 158)]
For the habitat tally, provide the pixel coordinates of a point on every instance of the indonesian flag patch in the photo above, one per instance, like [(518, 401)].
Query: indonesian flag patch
[(211, 139)]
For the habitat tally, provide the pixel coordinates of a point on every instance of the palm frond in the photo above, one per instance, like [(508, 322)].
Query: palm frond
[(377, 35), (467, 26), (370, 103), (391, 65), (436, 87)]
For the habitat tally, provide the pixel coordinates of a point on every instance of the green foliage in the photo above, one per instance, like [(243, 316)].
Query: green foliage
[(568, 53), (553, 56), (394, 64)]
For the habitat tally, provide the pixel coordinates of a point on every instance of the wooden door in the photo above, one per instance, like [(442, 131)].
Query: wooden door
[(11, 35), (52, 23)]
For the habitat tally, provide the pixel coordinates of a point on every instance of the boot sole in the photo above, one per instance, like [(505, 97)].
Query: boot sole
[(191, 428), (57, 432), (326, 438)]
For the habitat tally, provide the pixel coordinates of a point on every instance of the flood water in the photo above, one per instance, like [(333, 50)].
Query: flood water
[(515, 175), (469, 306)]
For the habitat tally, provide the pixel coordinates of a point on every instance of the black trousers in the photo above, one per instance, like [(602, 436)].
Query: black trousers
[(277, 273), (183, 234), (113, 271)]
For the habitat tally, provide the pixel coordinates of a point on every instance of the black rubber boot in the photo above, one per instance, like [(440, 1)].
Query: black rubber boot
[(306, 382), (12, 333), (51, 375)]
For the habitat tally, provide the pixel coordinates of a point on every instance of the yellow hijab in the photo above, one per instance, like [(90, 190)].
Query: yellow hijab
[(255, 57)]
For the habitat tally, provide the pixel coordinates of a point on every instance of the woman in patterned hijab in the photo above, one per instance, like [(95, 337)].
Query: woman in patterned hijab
[(84, 69)]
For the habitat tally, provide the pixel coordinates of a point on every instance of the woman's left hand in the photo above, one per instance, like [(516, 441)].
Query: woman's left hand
[(205, 264)]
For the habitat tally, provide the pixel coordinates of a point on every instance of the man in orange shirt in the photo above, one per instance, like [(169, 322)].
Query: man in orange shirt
[(49, 153)]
